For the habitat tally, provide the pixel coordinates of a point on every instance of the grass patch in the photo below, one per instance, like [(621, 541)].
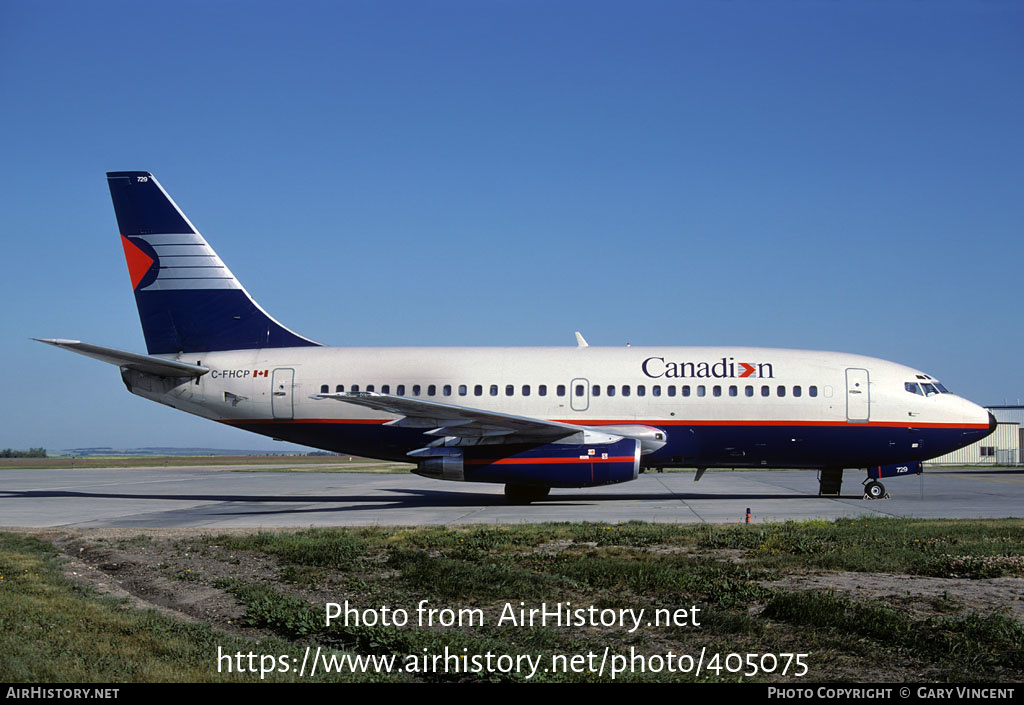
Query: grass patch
[(942, 548), (494, 576), (54, 632), (327, 548), (969, 648), (723, 570)]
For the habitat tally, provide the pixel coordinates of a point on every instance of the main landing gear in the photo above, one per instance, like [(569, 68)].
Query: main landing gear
[(525, 494)]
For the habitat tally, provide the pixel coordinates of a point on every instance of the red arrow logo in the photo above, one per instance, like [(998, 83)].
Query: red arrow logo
[(138, 261), (747, 370)]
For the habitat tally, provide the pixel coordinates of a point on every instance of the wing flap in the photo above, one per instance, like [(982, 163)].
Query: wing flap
[(440, 419)]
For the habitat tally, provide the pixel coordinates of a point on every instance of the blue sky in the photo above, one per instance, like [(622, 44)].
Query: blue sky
[(839, 176)]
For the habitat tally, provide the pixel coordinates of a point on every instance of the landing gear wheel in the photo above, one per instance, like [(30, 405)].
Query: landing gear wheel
[(874, 490), (524, 494)]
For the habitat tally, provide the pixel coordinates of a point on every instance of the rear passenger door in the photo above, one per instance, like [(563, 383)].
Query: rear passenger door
[(281, 401)]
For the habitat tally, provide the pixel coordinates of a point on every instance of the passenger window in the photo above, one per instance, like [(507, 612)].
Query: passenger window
[(447, 390), (509, 390), (340, 388), (686, 390), (478, 390), (797, 391), (560, 390), (641, 390), (355, 387), (596, 390), (494, 390), (812, 391), (765, 391), (580, 390), (700, 390), (717, 390), (401, 390), (385, 389), (526, 390), (733, 390), (542, 390), (431, 390), (415, 390), (463, 390), (671, 390), (781, 391), (656, 390), (749, 390), (625, 390), (369, 387), (611, 390), (325, 389)]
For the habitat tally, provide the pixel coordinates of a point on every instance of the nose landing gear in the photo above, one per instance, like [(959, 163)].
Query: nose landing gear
[(874, 489)]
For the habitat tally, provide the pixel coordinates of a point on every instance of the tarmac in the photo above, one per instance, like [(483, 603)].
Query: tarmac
[(218, 498)]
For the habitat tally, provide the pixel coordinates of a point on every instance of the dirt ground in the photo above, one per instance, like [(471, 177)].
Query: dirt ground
[(159, 569)]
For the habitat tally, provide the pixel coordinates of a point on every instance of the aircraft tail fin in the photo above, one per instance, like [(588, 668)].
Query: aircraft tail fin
[(188, 300)]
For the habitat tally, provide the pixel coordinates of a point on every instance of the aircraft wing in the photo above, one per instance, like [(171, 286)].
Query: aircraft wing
[(133, 361), (474, 425)]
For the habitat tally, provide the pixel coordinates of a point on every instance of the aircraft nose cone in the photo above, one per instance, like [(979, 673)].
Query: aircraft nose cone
[(992, 423)]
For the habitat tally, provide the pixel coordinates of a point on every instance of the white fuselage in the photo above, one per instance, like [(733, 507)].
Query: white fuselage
[(719, 406)]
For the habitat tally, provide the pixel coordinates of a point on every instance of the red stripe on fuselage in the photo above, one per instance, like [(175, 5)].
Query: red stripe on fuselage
[(770, 422), (660, 422)]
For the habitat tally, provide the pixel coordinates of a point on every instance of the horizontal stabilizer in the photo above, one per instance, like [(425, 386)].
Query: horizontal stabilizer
[(133, 361)]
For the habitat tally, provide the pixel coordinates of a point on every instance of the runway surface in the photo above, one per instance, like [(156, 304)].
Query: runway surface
[(216, 498)]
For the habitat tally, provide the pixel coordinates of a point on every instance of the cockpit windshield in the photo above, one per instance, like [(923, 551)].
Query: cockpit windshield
[(925, 389)]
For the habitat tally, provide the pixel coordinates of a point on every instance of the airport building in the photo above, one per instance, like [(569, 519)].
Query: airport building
[(1004, 447)]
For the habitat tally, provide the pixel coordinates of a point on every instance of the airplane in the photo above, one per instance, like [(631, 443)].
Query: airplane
[(530, 418)]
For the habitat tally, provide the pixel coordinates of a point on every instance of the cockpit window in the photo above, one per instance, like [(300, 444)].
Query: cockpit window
[(928, 389)]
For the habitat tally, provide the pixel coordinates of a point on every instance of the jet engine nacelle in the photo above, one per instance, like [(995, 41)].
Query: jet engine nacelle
[(551, 465)]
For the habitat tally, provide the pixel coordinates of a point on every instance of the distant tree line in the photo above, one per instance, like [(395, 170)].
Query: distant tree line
[(30, 453)]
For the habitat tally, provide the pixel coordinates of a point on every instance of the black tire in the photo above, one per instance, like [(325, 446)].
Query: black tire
[(525, 494), (874, 490)]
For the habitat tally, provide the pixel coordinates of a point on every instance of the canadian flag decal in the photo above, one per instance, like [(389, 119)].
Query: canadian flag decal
[(259, 373)]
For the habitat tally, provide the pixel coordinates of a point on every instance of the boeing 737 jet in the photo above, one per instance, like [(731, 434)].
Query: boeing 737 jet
[(529, 418)]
